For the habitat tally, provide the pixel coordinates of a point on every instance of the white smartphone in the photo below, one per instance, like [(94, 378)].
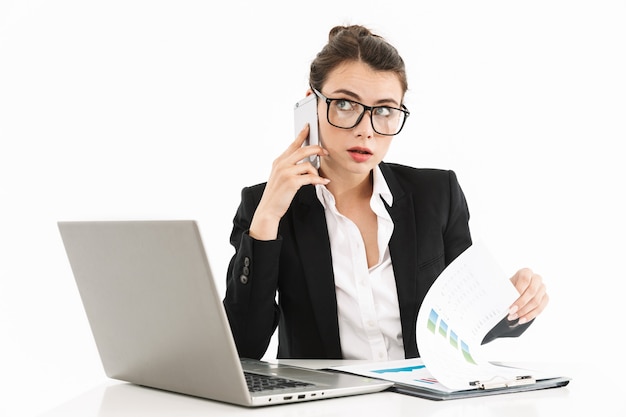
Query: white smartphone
[(305, 111)]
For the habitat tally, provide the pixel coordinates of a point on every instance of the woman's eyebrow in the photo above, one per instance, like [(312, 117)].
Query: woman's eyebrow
[(356, 97)]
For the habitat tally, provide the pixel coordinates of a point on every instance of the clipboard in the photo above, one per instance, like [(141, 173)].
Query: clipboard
[(482, 389)]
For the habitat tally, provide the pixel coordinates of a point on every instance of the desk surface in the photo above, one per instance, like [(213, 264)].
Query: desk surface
[(582, 396)]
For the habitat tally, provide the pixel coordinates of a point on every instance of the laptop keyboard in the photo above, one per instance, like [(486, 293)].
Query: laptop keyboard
[(258, 382)]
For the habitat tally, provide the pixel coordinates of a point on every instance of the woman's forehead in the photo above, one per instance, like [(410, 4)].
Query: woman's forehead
[(364, 81)]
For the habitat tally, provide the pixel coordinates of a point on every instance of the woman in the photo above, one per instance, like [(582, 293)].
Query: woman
[(351, 248)]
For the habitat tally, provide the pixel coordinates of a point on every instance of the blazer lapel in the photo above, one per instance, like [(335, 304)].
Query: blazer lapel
[(403, 250), (310, 227)]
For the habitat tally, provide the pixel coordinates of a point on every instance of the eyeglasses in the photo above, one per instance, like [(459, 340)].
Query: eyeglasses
[(346, 114)]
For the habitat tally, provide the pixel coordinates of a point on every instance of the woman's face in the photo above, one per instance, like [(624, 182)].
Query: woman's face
[(360, 149)]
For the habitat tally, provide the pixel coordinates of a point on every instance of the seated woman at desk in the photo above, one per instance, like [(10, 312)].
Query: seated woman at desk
[(350, 248)]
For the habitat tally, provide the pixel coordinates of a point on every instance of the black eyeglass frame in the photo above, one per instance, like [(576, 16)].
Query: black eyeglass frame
[(404, 110)]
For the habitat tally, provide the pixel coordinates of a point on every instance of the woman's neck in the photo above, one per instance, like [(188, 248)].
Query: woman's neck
[(347, 189)]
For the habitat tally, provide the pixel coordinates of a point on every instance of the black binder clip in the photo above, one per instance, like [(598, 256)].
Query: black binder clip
[(499, 382)]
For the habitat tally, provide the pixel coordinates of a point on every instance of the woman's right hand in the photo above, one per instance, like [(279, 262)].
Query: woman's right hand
[(290, 171)]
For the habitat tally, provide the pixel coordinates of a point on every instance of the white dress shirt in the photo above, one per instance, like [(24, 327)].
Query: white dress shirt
[(367, 301)]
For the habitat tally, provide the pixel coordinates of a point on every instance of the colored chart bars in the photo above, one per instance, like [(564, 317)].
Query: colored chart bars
[(440, 327)]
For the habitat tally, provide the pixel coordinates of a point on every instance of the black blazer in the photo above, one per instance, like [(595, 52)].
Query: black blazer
[(430, 217)]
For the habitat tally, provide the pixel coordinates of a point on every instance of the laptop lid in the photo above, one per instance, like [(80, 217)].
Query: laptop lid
[(158, 320)]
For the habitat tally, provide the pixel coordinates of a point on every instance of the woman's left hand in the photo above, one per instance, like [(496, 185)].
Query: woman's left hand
[(533, 298)]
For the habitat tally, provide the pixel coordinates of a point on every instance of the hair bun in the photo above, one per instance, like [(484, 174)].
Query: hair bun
[(354, 30)]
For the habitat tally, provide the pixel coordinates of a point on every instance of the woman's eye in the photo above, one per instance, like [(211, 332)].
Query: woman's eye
[(345, 105), (383, 111)]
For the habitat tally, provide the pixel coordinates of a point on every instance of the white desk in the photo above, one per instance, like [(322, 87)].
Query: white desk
[(590, 393)]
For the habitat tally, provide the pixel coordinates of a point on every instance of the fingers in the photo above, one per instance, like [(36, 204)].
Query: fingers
[(533, 297), (293, 166), (298, 141), (293, 175), (295, 152)]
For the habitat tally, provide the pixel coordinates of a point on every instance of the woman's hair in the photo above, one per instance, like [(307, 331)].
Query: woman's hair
[(356, 43)]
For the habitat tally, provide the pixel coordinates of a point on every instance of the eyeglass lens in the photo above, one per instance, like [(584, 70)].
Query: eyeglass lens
[(347, 114)]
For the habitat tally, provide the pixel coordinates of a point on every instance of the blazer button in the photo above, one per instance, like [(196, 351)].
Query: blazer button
[(246, 261), (243, 279), (246, 270)]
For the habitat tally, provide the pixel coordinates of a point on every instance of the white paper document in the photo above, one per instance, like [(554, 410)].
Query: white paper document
[(465, 302)]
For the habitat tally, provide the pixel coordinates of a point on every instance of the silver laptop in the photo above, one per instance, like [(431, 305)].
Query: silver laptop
[(158, 320)]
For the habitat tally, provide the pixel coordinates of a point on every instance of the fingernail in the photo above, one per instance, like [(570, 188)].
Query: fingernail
[(522, 320)]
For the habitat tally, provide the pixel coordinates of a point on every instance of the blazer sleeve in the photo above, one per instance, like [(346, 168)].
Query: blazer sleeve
[(251, 282)]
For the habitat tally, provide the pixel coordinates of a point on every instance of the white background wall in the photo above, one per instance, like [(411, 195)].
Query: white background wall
[(165, 109)]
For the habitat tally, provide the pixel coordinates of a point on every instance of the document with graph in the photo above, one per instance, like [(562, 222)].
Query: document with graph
[(463, 305)]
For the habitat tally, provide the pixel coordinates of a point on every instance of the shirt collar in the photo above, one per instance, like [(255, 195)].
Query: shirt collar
[(380, 188)]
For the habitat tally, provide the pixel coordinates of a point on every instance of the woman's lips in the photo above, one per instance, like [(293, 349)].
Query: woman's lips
[(360, 154)]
